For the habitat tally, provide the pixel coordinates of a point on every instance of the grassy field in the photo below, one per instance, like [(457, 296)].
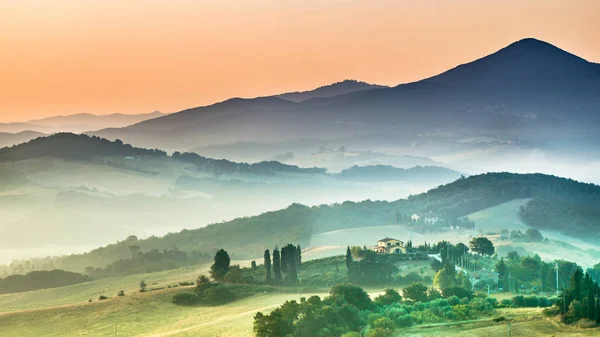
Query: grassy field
[(80, 293), (523, 323)]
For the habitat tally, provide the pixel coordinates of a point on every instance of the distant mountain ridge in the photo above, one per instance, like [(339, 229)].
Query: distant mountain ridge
[(379, 173), (334, 89), (529, 89), (78, 123)]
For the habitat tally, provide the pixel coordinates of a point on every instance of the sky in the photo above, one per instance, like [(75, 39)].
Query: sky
[(111, 56)]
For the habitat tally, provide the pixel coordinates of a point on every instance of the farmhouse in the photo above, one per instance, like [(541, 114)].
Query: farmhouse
[(389, 246), (426, 218)]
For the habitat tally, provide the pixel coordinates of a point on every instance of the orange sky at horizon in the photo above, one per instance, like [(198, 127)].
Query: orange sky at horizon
[(61, 57)]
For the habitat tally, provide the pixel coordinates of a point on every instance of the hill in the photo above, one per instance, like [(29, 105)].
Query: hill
[(10, 139), (334, 89), (72, 146), (554, 204), (374, 173)]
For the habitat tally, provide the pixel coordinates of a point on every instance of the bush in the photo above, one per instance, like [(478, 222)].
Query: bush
[(531, 302), (389, 297), (186, 299), (518, 301), (121, 293), (102, 297), (458, 292), (218, 296), (404, 321)]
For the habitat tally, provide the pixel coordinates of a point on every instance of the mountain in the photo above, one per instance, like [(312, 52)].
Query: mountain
[(334, 89), (10, 139), (529, 90), (554, 204), (78, 122)]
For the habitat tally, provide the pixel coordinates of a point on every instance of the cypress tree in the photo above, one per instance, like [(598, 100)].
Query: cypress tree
[(348, 258), (221, 265), (299, 258), (277, 264), (284, 259), (267, 263)]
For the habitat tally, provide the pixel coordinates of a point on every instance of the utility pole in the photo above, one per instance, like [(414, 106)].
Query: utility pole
[(556, 266), (509, 329)]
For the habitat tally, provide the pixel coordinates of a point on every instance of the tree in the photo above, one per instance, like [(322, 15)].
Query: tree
[(298, 257), (462, 280), (348, 258), (134, 250), (482, 246), (289, 259), (142, 286), (253, 265), (534, 235), (221, 264), (416, 292), (445, 277), (277, 264), (267, 263), (390, 297), (502, 270)]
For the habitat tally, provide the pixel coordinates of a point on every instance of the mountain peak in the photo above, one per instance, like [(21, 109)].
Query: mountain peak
[(525, 61), (330, 90)]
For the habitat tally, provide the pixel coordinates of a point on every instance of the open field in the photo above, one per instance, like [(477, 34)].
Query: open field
[(80, 293), (524, 322)]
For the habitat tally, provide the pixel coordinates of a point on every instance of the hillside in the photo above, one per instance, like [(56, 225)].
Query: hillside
[(555, 204), (72, 146), (334, 89)]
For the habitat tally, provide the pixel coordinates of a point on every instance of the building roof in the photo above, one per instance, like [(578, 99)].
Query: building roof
[(387, 239)]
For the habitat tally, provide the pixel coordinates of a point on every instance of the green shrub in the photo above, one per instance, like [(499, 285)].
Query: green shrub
[(531, 302), (218, 296), (518, 301), (389, 297), (102, 297)]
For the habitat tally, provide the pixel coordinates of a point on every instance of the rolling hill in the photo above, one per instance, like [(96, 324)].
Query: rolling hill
[(553, 204)]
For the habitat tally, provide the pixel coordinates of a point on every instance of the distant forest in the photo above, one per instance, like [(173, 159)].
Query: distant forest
[(40, 280)]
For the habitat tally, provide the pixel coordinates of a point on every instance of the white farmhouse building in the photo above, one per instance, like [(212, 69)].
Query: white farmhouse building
[(427, 218)]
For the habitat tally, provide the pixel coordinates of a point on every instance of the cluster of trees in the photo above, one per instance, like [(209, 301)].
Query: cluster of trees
[(370, 268), (531, 274), (348, 311), (284, 265), (581, 300), (40, 280), (530, 235), (206, 293), (151, 261)]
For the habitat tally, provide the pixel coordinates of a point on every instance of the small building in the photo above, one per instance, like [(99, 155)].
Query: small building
[(426, 218), (389, 246)]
